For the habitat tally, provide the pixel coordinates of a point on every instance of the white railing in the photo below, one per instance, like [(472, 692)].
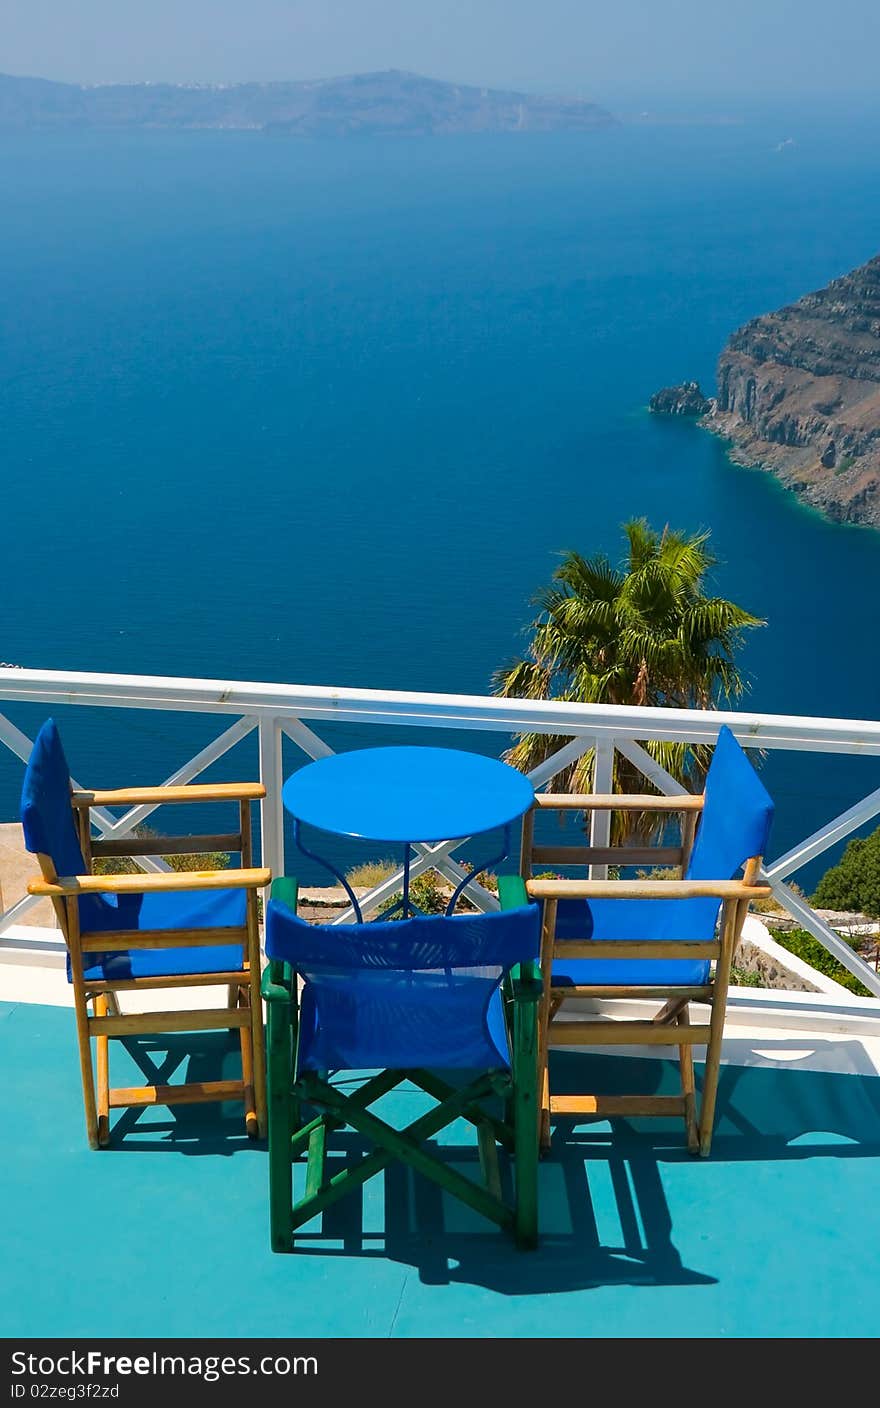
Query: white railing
[(277, 711)]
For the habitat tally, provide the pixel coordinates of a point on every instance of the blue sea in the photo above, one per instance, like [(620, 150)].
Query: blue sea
[(328, 412)]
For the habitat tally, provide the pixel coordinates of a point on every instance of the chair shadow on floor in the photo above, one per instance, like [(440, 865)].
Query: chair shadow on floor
[(604, 1213), (591, 1235), (196, 1129), (580, 1248)]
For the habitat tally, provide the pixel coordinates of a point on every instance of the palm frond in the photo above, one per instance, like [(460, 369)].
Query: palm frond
[(644, 633)]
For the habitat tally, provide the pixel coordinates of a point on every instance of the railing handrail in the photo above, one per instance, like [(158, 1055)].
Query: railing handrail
[(276, 710), (401, 707)]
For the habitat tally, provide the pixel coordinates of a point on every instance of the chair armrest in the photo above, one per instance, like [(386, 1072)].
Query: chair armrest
[(618, 802), (285, 889), (646, 890), (512, 891), (192, 792), (277, 983), (526, 983), (143, 884), (271, 989)]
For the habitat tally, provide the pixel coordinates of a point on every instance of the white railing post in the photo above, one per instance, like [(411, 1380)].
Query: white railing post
[(603, 782), (271, 809)]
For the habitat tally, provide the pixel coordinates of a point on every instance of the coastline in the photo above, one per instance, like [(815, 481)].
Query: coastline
[(799, 394), (796, 472)]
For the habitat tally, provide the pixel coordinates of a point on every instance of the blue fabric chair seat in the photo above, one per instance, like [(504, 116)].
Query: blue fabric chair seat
[(182, 909), (365, 1044), (652, 920), (424, 992)]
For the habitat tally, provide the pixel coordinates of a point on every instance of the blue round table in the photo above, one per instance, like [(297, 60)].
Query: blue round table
[(402, 795)]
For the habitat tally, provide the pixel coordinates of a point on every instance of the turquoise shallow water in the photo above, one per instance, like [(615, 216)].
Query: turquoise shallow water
[(327, 412)]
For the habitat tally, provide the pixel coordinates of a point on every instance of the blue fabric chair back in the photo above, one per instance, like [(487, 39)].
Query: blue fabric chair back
[(420, 992), (734, 826), (46, 813), (737, 813), (49, 827)]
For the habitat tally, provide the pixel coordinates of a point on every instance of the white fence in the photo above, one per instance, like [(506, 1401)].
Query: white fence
[(292, 710)]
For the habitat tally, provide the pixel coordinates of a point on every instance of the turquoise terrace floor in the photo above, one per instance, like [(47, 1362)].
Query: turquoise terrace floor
[(165, 1234)]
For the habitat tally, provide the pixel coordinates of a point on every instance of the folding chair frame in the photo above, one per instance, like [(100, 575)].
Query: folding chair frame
[(105, 1022), (671, 1025), (290, 1132)]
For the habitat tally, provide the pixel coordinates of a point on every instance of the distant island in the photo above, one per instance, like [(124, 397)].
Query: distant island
[(799, 394), (368, 104)]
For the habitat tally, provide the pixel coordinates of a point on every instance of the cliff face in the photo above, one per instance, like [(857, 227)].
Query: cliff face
[(799, 393)]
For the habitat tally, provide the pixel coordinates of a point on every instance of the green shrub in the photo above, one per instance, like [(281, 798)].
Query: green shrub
[(485, 878), (854, 883), (426, 892), (745, 977), (801, 943), (370, 873)]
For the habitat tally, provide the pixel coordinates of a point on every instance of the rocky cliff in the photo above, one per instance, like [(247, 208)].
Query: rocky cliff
[(687, 399), (799, 394)]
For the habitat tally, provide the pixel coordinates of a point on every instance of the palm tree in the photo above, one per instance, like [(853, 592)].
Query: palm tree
[(642, 633)]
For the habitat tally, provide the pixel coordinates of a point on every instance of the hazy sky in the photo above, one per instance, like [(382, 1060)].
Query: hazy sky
[(759, 48)]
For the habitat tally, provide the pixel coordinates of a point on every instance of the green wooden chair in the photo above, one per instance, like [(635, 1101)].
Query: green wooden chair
[(446, 1002)]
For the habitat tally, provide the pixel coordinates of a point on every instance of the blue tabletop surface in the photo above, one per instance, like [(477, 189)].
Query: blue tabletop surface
[(407, 794)]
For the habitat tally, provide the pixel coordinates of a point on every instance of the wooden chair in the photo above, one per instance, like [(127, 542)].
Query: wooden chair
[(419, 1000), (141, 932), (628, 940)]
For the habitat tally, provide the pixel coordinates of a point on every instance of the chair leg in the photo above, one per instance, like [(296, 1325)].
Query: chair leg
[(102, 1046), (280, 1129), (247, 1070), (525, 1124), (81, 1012), (548, 938), (85, 1066), (258, 1048), (688, 1088), (405, 1145), (544, 1116), (732, 918)]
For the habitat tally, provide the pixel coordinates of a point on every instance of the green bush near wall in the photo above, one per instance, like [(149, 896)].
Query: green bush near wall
[(804, 946)]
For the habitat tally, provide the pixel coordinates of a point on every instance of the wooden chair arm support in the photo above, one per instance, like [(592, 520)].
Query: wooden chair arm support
[(622, 802), (191, 792), (143, 884), (646, 890)]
